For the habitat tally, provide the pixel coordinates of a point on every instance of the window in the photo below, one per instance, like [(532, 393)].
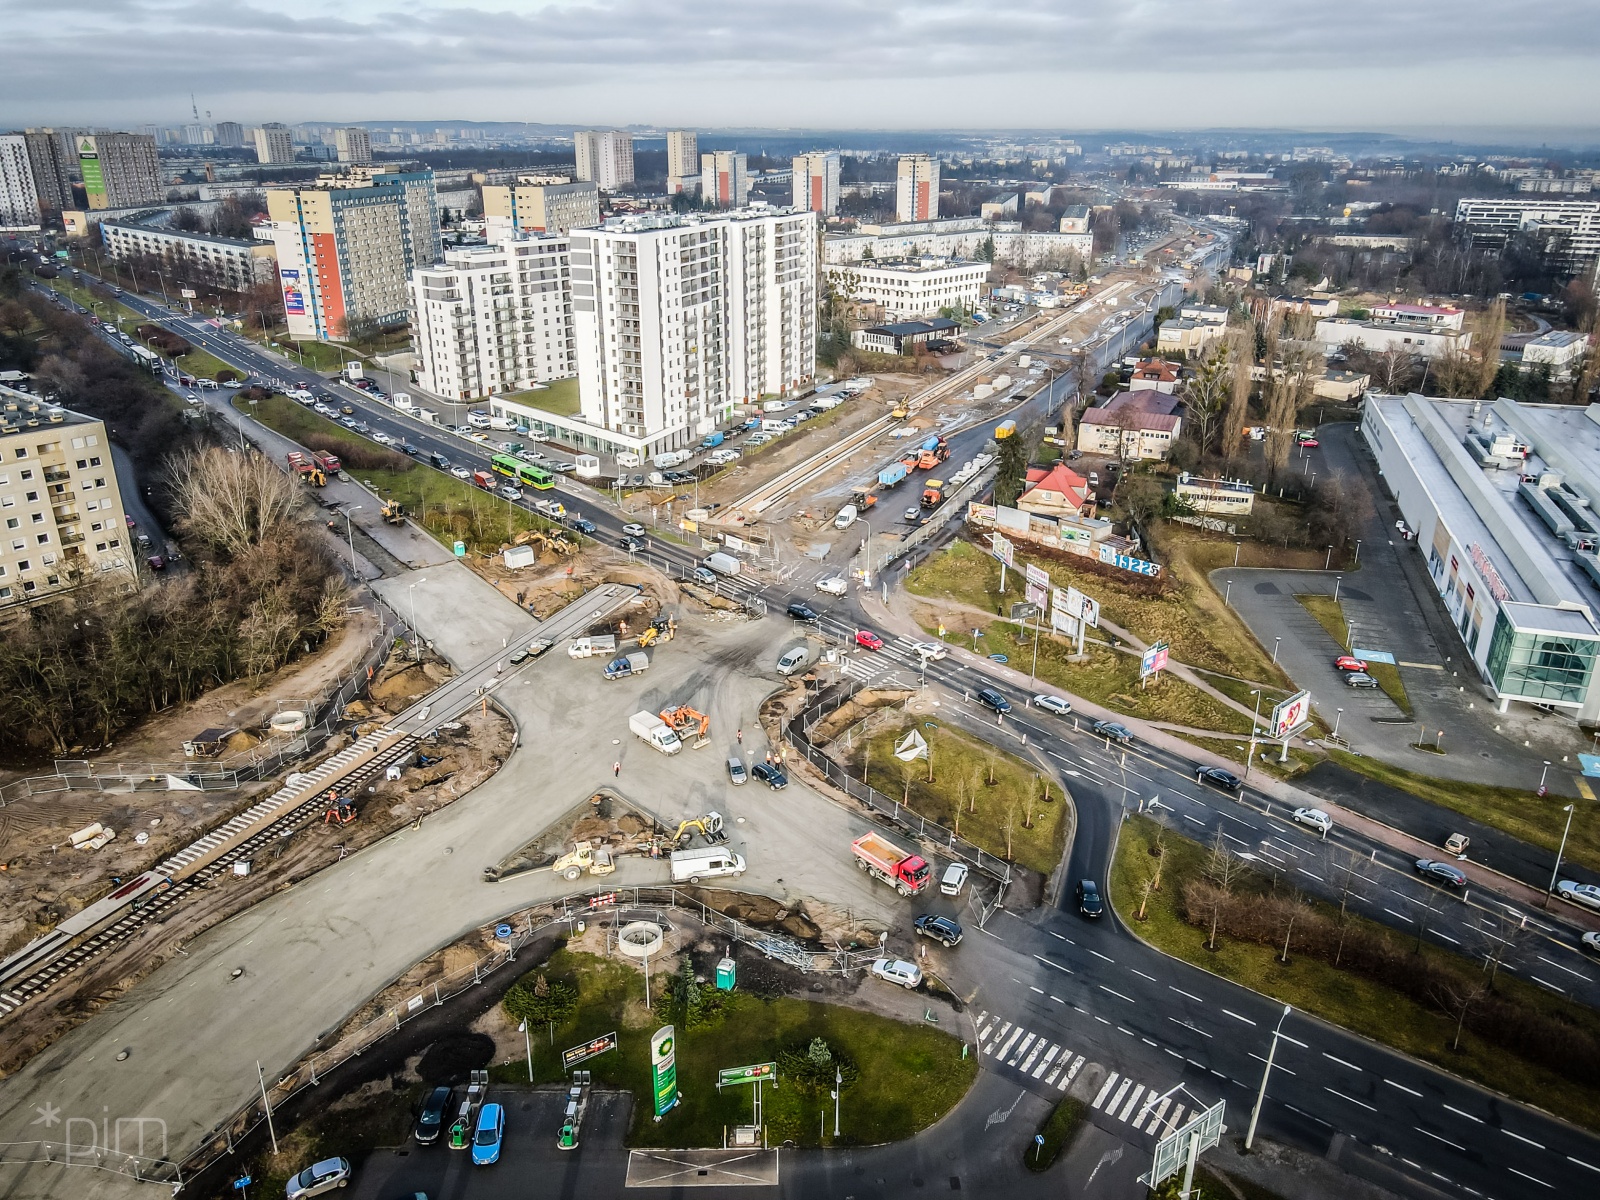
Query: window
[(23, 453), (11, 522), (28, 474), (24, 565)]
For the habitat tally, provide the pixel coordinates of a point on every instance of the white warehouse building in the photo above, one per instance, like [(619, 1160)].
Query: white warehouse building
[(911, 289)]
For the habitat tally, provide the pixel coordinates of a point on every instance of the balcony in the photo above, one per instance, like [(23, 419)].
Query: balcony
[(56, 475)]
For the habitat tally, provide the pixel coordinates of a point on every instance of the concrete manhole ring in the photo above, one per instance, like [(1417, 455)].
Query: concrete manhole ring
[(640, 939)]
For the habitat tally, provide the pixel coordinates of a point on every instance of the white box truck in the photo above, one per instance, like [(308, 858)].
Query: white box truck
[(587, 647), (652, 729), (668, 459), (691, 866)]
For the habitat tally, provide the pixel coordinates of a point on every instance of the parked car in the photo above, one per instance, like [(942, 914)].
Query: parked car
[(938, 929), (1114, 730), (1590, 942), (898, 970), (792, 660), (954, 879), (490, 1133), (1226, 780), (1440, 872), (737, 775), (318, 1178), (993, 701), (1052, 704), (802, 612), (1314, 818), (1089, 902), (430, 1121), (865, 637), (1586, 894), (770, 774), (1359, 679), (1345, 663)]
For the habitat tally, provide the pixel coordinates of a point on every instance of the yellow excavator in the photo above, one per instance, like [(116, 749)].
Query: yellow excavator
[(585, 856), (709, 827), (662, 629), (393, 512), (685, 721)]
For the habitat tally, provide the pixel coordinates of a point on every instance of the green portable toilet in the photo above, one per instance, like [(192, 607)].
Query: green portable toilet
[(726, 975)]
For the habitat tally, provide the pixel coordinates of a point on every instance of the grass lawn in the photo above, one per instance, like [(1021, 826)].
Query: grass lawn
[(1330, 615), (1009, 817), (1300, 761), (910, 1075), (1537, 820), (1058, 1130), (1346, 999), (560, 398)]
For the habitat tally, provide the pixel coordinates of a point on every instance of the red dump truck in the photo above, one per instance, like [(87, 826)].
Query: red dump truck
[(908, 874), (328, 463)]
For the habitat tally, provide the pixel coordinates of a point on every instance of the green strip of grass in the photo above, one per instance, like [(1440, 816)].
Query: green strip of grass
[(1330, 615), (1058, 1130), (1300, 761), (1349, 1000)]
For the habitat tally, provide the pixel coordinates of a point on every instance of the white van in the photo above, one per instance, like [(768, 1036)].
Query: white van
[(478, 419), (691, 866), (629, 460), (793, 660)]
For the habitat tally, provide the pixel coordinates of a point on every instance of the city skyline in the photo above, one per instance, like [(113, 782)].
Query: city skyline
[(1245, 64)]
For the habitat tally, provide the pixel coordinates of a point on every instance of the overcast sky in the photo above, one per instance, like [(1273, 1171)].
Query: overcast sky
[(916, 64)]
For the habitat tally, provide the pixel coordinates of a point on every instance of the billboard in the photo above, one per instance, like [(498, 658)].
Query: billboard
[(756, 1073), (664, 1069), (1153, 660), (294, 300), (1172, 1151), (94, 180), (577, 1054), (1290, 714), (1127, 562), (1038, 576), (1038, 595), (1000, 547)]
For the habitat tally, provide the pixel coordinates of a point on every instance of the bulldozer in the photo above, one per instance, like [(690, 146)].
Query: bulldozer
[(585, 856), (685, 720), (393, 512), (709, 827), (553, 542), (662, 629)]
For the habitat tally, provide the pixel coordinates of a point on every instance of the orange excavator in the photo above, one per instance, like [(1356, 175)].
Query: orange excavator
[(685, 720)]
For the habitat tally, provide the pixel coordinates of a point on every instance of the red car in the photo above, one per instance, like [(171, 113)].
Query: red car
[(1345, 663), (1310, 443), (865, 637), (131, 522)]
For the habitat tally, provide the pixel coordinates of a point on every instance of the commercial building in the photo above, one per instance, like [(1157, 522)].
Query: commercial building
[(1075, 219), (539, 204), (1187, 336), (904, 336), (274, 143), (19, 198), (1559, 349), (229, 133), (725, 179), (1569, 230), (48, 160), (815, 179), (62, 523), (677, 320), (233, 263), (1215, 497), (1132, 426), (1502, 498), (119, 170), (354, 145), (1419, 339), (960, 237), (346, 248), (494, 319), (683, 160), (903, 291), (604, 157), (916, 196)]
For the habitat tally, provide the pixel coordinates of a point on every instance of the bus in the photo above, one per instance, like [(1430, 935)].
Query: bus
[(524, 473), (146, 359)]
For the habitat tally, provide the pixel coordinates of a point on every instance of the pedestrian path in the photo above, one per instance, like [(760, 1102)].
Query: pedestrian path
[(1039, 1058)]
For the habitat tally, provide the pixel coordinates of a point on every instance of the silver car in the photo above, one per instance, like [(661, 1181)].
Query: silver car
[(318, 1178), (1586, 894)]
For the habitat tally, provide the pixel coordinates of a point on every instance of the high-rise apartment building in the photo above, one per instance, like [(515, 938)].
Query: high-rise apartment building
[(346, 248), (49, 164), (354, 145), (683, 160), (724, 179), (61, 517), (816, 181), (494, 319), (539, 204), (229, 133), (120, 170), (604, 157), (678, 319), (917, 188), (198, 135), (274, 143), (19, 197)]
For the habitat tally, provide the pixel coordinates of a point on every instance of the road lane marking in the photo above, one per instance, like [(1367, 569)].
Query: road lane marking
[(1006, 1049), (1234, 1015), (1057, 966), (1061, 936), (1459, 1113), (1189, 1027), (1402, 1087), (1549, 985), (1196, 820), (1129, 1032), (1058, 999), (1340, 1061), (1520, 1138), (1293, 1041), (1111, 1082), (1133, 1099), (1439, 934), (1142, 975), (1040, 990), (1049, 1056), (1581, 1163), (1021, 1050), (1525, 1175), (1097, 954), (1192, 996), (1437, 1138), (1118, 995), (1352, 1099), (1317, 877), (1276, 1066), (1402, 916), (1561, 967)]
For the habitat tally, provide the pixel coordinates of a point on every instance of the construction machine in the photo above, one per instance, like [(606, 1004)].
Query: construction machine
[(585, 856), (685, 721), (863, 499), (662, 629), (709, 827)]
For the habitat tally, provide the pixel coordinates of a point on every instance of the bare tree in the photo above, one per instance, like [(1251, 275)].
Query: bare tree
[(1241, 357), (1146, 886), (1204, 396), (232, 502), (1343, 874), (1224, 869), (1395, 369), (1458, 997), (974, 780), (1583, 379), (1491, 328), (1457, 374), (1292, 910)]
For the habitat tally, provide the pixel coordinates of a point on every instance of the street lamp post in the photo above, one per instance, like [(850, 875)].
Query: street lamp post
[(1255, 1113), (838, 1086), (1227, 594), (1543, 775), (1275, 642), (527, 1042), (351, 538), (1559, 851), (1337, 714), (1254, 722), (416, 638), (1337, 581), (1357, 560)]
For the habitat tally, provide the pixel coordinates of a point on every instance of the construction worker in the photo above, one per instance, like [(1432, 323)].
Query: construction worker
[(616, 769), (739, 735)]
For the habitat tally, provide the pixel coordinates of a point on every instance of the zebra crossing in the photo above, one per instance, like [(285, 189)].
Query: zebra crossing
[(1038, 1057)]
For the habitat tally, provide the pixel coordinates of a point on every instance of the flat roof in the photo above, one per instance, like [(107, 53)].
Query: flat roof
[(1565, 622)]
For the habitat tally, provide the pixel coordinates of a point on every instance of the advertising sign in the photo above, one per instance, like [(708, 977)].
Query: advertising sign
[(294, 300), (1038, 576), (664, 1069), (1038, 595), (1173, 1150), (1091, 612), (1154, 659), (577, 1054), (757, 1073), (1001, 549), (1127, 562), (94, 180), (1291, 714)]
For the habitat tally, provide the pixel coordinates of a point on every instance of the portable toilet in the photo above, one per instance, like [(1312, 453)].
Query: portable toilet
[(726, 975)]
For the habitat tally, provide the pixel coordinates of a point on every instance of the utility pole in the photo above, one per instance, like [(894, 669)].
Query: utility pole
[(1261, 1095), (267, 1104)]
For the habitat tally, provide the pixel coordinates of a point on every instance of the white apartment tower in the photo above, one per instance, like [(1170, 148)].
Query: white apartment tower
[(604, 157), (917, 188), (680, 319), (816, 182), (354, 145), (19, 195), (274, 143), (683, 160), (725, 179), (494, 319)]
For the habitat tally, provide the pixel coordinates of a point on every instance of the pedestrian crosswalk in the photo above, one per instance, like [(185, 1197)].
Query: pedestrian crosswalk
[(1038, 1057)]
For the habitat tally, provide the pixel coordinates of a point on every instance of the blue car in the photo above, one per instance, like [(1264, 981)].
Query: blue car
[(491, 1131)]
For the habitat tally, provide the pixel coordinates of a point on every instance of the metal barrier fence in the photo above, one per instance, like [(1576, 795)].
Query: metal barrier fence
[(798, 734)]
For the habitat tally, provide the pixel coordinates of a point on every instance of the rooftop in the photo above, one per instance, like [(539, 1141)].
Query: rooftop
[(560, 397), (912, 328), (184, 234), (1059, 478), (1557, 338)]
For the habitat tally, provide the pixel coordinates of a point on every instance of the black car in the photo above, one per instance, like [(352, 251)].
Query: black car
[(770, 774), (407, 448), (1440, 872), (583, 526), (432, 1117), (1113, 730), (439, 461), (993, 700), (1089, 903), (802, 612), (631, 544), (939, 929), (1226, 780)]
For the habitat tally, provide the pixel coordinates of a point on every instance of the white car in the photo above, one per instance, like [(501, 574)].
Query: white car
[(930, 651), (633, 529), (383, 439), (1586, 894), (898, 970), (461, 472), (1315, 818), (954, 879), (1053, 704), (509, 493), (834, 586)]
